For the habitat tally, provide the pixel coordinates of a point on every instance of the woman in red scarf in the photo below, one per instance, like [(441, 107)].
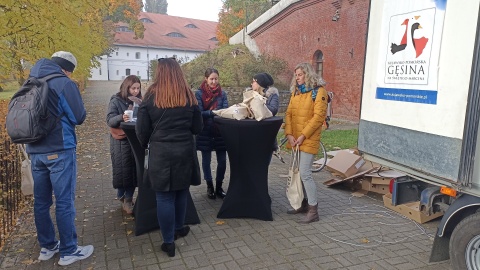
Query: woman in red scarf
[(211, 97)]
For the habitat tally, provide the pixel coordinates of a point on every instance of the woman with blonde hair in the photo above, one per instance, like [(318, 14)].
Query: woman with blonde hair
[(167, 120), (303, 127)]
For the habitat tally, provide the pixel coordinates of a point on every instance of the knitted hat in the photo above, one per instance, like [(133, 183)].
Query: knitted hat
[(263, 79), (65, 60)]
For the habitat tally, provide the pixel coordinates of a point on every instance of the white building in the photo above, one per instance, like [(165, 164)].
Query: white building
[(164, 36)]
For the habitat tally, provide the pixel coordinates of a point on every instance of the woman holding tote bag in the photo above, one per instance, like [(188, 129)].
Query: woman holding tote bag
[(303, 127)]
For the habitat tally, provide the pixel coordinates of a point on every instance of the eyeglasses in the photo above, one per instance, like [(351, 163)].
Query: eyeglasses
[(173, 57)]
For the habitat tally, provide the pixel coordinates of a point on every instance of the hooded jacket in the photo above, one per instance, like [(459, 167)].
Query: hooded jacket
[(64, 98)]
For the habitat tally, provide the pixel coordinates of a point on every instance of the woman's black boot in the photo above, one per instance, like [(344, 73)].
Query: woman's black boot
[(219, 191), (210, 191), (169, 249)]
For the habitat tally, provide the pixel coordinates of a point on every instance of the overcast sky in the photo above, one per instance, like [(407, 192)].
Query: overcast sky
[(195, 9)]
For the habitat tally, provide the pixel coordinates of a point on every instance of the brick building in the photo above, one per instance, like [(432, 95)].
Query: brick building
[(330, 35)]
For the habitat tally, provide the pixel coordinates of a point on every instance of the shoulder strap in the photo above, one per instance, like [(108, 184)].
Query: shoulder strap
[(158, 121), (51, 76)]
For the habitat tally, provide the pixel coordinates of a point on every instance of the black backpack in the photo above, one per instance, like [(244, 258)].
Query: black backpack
[(28, 118)]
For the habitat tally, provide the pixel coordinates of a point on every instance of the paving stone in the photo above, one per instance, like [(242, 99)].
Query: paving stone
[(353, 233)]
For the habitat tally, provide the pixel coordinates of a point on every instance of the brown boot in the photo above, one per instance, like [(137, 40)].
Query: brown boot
[(302, 209), (312, 214), (128, 206)]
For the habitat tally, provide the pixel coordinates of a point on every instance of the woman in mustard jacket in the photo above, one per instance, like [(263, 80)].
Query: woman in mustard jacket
[(303, 126)]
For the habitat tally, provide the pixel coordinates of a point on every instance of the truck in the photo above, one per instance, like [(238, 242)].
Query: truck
[(420, 114)]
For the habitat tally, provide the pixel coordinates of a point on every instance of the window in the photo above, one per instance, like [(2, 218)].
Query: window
[(175, 34), (137, 55), (318, 60), (100, 72), (128, 54), (117, 72), (191, 26), (116, 53), (138, 73), (127, 72), (156, 56), (214, 39)]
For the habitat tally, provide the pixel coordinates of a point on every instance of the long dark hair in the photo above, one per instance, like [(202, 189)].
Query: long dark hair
[(170, 88), (126, 84)]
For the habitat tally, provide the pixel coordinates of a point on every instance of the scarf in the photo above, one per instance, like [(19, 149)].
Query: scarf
[(304, 90), (209, 95)]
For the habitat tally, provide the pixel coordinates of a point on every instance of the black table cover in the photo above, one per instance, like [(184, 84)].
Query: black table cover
[(145, 209), (249, 146)]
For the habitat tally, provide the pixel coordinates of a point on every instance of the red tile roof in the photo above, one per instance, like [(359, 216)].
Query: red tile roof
[(155, 35)]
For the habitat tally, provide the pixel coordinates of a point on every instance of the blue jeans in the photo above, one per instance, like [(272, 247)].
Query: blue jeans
[(305, 168), (171, 210), (57, 172), (125, 192), (221, 165)]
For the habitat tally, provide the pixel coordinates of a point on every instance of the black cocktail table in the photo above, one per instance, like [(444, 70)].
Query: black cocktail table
[(249, 145)]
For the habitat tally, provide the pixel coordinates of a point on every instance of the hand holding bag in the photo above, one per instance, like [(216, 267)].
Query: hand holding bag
[(294, 183), (26, 171)]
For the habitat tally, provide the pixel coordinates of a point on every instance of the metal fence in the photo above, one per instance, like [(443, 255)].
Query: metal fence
[(11, 198)]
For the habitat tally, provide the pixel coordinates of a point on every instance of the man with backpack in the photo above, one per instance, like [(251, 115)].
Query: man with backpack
[(54, 162)]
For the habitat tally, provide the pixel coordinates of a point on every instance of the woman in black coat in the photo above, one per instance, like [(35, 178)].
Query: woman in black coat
[(167, 120), (123, 162), (211, 97)]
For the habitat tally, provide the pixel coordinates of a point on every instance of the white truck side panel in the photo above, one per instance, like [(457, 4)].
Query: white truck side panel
[(456, 43)]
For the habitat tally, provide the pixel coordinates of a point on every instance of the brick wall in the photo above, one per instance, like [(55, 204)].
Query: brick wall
[(298, 32)]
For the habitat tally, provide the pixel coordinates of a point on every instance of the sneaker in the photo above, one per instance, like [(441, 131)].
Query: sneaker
[(46, 254), (81, 253)]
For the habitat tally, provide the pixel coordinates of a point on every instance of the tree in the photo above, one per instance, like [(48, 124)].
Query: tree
[(235, 14), (36, 29), (156, 6)]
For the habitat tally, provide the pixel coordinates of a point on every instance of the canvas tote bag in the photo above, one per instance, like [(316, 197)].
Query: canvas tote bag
[(26, 171), (294, 183)]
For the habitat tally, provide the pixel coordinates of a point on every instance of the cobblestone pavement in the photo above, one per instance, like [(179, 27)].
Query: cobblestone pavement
[(353, 232)]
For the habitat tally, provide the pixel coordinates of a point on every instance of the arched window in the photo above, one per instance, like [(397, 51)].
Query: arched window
[(191, 25), (318, 62)]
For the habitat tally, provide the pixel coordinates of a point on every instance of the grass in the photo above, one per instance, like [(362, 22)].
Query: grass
[(9, 88), (335, 139)]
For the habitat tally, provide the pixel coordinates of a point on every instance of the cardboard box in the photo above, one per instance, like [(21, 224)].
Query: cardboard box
[(379, 182), (410, 210), (345, 164), (377, 185)]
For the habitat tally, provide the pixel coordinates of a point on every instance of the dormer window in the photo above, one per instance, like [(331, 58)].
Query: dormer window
[(191, 25), (214, 39), (175, 34), (145, 20)]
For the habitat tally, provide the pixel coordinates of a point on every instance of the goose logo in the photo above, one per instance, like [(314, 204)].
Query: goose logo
[(416, 42), (409, 44)]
